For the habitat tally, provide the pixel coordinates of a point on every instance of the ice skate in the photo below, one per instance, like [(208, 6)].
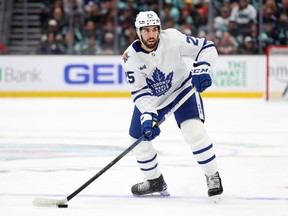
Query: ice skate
[(150, 187), (215, 188)]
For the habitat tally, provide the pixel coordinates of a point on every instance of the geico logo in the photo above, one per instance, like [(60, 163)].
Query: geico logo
[(10, 74), (96, 73)]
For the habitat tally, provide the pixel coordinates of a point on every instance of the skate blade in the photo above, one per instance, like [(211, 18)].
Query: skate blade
[(164, 193), (216, 199), (155, 194)]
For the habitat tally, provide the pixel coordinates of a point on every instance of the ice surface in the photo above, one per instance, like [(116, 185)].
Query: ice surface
[(50, 147)]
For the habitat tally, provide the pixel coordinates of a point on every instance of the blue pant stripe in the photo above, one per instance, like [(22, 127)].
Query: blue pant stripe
[(203, 150), (147, 161), (148, 169), (208, 160)]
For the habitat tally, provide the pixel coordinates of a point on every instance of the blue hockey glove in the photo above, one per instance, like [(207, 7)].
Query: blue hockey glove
[(201, 78), (148, 120)]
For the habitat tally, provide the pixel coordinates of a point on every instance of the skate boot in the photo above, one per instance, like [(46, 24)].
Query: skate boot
[(157, 185), (214, 185)]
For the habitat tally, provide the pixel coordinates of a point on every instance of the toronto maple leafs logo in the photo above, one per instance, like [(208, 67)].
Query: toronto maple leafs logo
[(159, 84)]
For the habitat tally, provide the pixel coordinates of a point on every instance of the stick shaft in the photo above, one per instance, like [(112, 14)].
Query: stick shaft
[(108, 166)]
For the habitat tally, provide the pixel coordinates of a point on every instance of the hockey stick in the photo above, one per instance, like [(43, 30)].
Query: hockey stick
[(61, 203)]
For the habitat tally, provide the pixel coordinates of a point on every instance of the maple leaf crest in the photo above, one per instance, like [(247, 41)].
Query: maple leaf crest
[(159, 84)]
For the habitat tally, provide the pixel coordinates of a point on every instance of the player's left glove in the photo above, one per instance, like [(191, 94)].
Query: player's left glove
[(201, 78), (148, 120)]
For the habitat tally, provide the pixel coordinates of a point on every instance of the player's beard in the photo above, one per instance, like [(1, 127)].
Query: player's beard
[(151, 43)]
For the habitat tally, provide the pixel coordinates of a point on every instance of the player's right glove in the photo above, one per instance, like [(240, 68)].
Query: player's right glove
[(148, 120), (201, 78)]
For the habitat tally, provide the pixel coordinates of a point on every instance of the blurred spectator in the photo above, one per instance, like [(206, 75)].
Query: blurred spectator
[(127, 37), (180, 3), (72, 45), (91, 48), (201, 20), (170, 12), (270, 13), (47, 7), (52, 27), (78, 25), (255, 37), (73, 6), (58, 16), (49, 45), (282, 7), (108, 9), (186, 22), (244, 14), (254, 32), (186, 19), (108, 27), (221, 21), (225, 43), (91, 31), (168, 23), (126, 18), (94, 12), (153, 5), (248, 47), (185, 29), (267, 35), (108, 44), (280, 32), (217, 5), (232, 28), (129, 5), (270, 20)]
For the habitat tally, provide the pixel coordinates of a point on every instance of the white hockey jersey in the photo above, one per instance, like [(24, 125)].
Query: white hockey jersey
[(156, 78)]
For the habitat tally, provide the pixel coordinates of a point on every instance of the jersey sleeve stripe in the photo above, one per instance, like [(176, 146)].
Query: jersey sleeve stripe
[(209, 45), (201, 63), (204, 47)]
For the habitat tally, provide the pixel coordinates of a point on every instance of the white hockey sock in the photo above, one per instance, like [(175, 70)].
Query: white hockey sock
[(147, 159), (196, 136)]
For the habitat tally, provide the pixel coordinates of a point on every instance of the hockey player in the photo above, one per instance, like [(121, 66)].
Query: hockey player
[(158, 78)]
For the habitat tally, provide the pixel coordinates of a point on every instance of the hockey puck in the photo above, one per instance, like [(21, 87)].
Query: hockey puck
[(63, 206)]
